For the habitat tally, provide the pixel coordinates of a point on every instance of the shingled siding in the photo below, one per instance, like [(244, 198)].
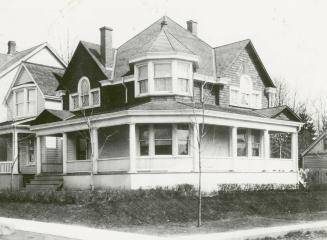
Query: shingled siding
[(210, 93), (234, 73), (315, 161)]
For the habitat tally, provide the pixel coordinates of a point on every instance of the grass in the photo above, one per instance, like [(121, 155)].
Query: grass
[(299, 235), (166, 211)]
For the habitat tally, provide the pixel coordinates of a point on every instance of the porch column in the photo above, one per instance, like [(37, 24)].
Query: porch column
[(15, 152), (38, 155), (266, 142), (295, 150), (95, 142), (64, 153), (196, 147), (233, 146), (132, 148)]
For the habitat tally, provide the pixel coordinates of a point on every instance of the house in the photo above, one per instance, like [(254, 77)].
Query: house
[(132, 116), (315, 156), (28, 88)]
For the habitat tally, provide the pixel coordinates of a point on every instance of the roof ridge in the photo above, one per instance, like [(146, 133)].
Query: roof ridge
[(42, 65), (178, 41), (139, 33), (224, 45)]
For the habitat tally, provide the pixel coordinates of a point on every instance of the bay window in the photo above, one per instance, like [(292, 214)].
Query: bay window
[(163, 139), (162, 77)]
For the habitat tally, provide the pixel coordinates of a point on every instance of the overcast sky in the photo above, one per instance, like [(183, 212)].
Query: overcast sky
[(290, 36)]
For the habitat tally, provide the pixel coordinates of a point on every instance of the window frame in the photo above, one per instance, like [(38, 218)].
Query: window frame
[(251, 92), (170, 63), (24, 89), (79, 96)]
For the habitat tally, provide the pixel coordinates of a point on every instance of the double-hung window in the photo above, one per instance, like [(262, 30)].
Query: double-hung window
[(162, 77), (19, 103), (31, 101), (163, 139), (183, 77), (85, 93), (143, 79)]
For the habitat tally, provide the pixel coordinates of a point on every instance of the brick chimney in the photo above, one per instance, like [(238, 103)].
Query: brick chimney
[(106, 50), (11, 47), (192, 26)]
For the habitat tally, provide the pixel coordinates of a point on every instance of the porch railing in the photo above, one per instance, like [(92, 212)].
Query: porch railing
[(5, 167)]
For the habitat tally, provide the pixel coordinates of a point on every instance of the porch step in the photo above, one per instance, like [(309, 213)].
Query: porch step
[(45, 183)]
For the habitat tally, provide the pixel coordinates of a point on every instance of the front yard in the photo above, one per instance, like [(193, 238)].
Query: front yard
[(165, 212)]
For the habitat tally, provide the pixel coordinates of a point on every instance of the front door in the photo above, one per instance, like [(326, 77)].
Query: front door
[(52, 155)]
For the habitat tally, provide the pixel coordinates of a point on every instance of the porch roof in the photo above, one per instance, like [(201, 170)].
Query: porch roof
[(48, 116)]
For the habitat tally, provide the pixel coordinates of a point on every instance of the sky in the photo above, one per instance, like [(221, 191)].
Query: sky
[(290, 36)]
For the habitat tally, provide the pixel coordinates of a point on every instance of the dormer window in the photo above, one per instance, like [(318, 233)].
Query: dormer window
[(244, 95), (85, 97), (163, 77)]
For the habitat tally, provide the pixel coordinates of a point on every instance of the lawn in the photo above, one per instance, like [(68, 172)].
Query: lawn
[(298, 235), (165, 211), (22, 235)]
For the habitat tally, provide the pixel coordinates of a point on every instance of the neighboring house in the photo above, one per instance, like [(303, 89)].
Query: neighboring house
[(140, 107), (27, 88), (315, 156)]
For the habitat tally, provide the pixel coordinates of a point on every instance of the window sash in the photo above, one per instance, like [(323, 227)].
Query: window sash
[(95, 97), (242, 143), (163, 84), (163, 139), (143, 86), (183, 84), (144, 140), (183, 70), (256, 143), (162, 70), (143, 72)]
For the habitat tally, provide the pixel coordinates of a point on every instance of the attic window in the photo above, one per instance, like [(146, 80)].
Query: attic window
[(244, 95), (85, 97)]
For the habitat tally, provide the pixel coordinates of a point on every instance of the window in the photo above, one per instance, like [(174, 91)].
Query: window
[(84, 92), (183, 75), (242, 142), (82, 148), (183, 138), (143, 79), (162, 77), (256, 143), (325, 144), (144, 140), (31, 101), (30, 151), (245, 96), (280, 145), (19, 103), (95, 97), (163, 139), (51, 142), (85, 97)]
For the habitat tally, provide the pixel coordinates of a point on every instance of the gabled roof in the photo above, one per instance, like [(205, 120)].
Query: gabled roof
[(50, 115), (9, 61), (275, 112), (47, 78), (226, 55), (94, 51), (313, 144)]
